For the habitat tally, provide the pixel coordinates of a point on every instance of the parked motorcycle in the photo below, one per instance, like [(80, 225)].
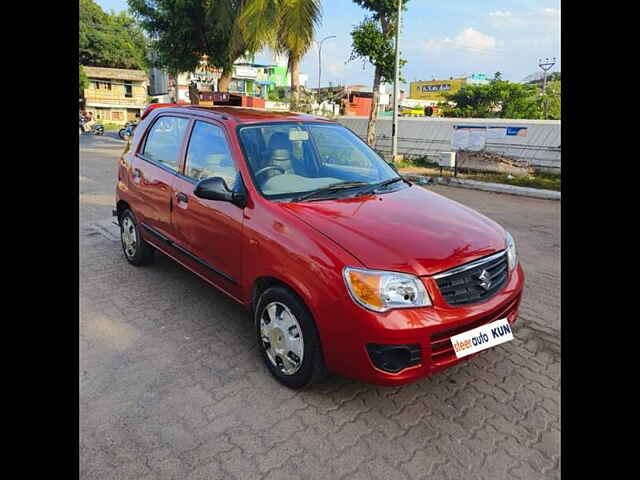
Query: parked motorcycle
[(96, 129), (126, 132)]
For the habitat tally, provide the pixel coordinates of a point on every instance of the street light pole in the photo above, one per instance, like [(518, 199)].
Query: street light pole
[(320, 62), (546, 66), (396, 91)]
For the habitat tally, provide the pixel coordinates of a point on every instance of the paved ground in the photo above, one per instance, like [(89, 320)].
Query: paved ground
[(172, 387)]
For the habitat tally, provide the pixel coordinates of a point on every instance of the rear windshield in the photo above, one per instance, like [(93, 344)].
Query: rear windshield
[(288, 159)]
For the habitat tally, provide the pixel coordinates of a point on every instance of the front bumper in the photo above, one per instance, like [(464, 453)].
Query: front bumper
[(346, 329)]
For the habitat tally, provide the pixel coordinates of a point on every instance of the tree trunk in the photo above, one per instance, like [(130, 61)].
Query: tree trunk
[(194, 95), (377, 76), (295, 82), (373, 114), (225, 80), (175, 86)]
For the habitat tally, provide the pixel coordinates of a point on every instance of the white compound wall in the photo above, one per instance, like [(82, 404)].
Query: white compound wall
[(424, 136)]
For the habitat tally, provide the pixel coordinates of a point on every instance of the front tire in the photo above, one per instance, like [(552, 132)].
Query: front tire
[(136, 250), (288, 338)]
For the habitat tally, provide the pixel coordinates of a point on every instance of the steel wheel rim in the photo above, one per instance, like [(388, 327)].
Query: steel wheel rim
[(281, 337), (129, 237)]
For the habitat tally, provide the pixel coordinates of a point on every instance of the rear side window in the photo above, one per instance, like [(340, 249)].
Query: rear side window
[(165, 140)]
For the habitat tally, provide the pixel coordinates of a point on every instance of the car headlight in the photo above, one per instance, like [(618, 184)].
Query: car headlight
[(512, 254), (381, 291)]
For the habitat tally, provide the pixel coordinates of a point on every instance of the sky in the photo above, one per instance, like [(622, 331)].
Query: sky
[(439, 39)]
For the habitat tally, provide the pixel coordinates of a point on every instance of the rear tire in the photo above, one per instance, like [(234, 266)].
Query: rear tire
[(304, 338), (136, 250)]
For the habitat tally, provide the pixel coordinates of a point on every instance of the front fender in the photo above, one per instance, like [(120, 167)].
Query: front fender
[(282, 247)]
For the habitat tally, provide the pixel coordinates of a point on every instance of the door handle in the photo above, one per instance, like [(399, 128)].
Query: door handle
[(182, 197)]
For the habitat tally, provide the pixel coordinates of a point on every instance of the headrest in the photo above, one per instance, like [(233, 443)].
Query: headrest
[(279, 140)]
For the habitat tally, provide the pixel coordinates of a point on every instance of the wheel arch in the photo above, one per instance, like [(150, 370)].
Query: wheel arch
[(262, 283), (121, 206)]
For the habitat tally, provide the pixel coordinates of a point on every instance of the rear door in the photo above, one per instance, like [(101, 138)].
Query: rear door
[(154, 171), (208, 231)]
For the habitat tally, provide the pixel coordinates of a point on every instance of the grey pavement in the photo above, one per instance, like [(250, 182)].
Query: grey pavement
[(486, 186), (172, 385)]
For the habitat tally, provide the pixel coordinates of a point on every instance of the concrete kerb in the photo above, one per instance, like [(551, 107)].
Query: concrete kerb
[(486, 186)]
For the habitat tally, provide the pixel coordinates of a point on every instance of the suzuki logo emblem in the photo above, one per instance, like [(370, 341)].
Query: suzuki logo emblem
[(485, 280)]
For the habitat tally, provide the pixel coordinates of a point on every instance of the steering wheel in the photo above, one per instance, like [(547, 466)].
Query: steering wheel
[(267, 168)]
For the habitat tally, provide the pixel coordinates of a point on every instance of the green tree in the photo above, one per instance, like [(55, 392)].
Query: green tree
[(287, 26), (183, 31), (108, 39), (372, 40), (552, 98), (84, 81), (295, 31), (498, 99)]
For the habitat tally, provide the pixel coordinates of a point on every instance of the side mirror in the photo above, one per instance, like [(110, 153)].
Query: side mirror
[(215, 188)]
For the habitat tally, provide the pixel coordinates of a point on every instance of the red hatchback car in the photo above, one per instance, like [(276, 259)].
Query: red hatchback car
[(345, 266)]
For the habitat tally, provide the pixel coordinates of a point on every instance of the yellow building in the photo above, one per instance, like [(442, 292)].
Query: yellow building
[(433, 90), (115, 95)]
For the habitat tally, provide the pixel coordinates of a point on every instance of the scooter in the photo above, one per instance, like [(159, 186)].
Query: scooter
[(96, 129), (126, 132)]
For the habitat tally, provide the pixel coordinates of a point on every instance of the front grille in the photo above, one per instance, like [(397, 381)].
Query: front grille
[(462, 285)]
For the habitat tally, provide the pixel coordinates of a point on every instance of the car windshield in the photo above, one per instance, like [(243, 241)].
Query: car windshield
[(290, 159)]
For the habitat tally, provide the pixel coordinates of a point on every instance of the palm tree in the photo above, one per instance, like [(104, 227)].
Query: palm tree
[(228, 14), (296, 29), (287, 26)]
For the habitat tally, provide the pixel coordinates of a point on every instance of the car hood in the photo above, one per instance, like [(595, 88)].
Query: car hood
[(409, 230)]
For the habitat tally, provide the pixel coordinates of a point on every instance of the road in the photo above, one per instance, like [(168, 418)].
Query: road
[(172, 386)]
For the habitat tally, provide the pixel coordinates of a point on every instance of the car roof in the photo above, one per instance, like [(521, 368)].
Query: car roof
[(243, 115)]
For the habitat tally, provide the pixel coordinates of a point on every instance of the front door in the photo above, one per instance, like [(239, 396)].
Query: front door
[(210, 231), (154, 171)]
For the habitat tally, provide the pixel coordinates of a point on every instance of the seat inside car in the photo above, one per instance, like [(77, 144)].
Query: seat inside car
[(280, 152)]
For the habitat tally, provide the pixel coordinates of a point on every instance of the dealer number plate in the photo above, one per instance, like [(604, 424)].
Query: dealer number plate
[(481, 338)]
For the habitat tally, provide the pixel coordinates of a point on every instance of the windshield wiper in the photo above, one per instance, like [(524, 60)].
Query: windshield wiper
[(328, 189), (376, 186)]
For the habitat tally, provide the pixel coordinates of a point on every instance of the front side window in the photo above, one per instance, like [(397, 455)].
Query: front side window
[(208, 155), (288, 159), (165, 140)]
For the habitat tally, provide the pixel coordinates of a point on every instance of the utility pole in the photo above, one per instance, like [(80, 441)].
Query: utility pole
[(545, 66), (396, 91), (320, 62)]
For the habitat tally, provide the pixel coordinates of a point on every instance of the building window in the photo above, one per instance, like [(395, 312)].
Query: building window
[(102, 114), (128, 89), (237, 86), (117, 116), (102, 84)]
